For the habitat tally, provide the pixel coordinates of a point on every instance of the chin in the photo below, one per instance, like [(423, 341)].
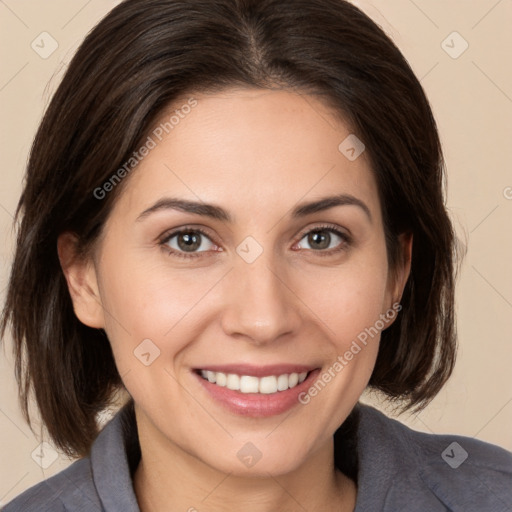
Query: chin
[(258, 459)]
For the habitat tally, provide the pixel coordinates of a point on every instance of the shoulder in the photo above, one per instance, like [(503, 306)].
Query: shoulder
[(70, 490), (94, 483), (460, 472)]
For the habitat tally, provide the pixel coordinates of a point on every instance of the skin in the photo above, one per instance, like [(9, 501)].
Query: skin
[(256, 154)]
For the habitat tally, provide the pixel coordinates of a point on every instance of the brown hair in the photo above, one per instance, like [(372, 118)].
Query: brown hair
[(138, 59)]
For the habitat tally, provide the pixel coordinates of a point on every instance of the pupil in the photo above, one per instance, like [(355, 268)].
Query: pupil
[(189, 241), (321, 241)]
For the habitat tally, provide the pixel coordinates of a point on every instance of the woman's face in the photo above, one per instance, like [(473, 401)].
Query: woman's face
[(270, 291)]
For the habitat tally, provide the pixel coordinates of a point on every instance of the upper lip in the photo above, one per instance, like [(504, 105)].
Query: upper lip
[(258, 371)]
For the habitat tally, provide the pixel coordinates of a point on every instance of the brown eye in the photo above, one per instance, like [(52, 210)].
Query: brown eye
[(188, 241), (319, 239), (324, 240)]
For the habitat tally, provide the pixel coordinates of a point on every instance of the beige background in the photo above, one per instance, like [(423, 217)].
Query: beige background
[(472, 99)]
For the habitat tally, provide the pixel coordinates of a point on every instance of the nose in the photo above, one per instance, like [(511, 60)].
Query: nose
[(260, 306)]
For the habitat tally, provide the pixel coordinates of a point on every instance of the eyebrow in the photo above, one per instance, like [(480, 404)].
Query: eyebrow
[(218, 213)]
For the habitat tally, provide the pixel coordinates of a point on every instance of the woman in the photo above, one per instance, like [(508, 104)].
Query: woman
[(234, 212)]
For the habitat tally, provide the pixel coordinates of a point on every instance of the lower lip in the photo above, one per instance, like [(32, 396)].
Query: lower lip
[(257, 405)]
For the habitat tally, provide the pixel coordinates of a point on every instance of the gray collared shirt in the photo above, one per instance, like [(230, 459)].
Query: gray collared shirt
[(397, 469)]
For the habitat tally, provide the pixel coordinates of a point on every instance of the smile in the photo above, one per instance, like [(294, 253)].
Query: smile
[(256, 391), (250, 384)]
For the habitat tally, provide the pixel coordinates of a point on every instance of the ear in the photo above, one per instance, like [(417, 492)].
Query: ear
[(82, 282), (399, 275)]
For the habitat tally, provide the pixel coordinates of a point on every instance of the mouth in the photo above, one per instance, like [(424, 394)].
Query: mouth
[(267, 385), (256, 391)]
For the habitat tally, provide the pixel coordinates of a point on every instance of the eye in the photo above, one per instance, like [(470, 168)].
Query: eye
[(190, 242), (325, 239), (187, 242)]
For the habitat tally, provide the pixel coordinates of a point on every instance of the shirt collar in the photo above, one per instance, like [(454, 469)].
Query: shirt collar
[(112, 454)]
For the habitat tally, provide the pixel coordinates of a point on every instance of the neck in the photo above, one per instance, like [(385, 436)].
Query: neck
[(169, 478)]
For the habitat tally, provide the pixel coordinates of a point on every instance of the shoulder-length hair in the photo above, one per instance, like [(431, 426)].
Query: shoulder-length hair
[(141, 57)]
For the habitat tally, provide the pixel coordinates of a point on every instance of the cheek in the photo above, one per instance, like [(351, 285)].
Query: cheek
[(349, 302), (148, 302), (350, 298)]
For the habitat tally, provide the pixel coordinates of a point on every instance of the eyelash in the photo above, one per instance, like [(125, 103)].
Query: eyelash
[(346, 240)]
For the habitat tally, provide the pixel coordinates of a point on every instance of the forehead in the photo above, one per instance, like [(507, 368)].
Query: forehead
[(250, 149)]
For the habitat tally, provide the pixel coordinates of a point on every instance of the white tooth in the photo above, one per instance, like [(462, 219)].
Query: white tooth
[(293, 380), (282, 382), (249, 384), (233, 382), (268, 384), (221, 379)]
